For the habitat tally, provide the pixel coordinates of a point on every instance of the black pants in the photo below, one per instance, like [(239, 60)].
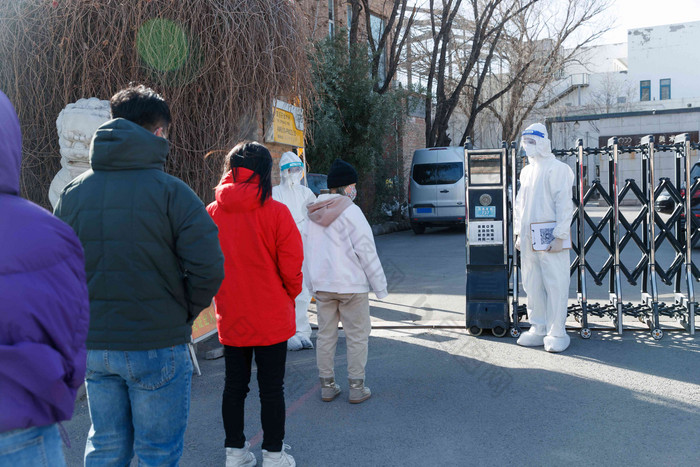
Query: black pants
[(270, 361)]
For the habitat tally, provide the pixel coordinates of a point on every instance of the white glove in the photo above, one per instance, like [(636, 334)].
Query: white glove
[(556, 246), (517, 243)]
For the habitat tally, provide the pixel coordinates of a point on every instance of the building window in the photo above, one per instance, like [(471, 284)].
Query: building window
[(645, 90), (665, 89), (331, 18), (377, 25)]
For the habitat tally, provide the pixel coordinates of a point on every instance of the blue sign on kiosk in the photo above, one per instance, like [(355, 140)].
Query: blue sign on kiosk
[(481, 212)]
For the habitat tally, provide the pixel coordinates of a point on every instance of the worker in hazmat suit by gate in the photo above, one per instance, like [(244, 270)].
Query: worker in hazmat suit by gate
[(544, 197), (296, 197)]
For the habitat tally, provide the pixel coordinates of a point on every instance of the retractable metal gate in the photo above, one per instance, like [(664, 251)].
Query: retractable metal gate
[(647, 232)]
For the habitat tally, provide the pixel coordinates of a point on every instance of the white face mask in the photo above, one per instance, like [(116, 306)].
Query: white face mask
[(294, 175), (351, 192), (531, 147)]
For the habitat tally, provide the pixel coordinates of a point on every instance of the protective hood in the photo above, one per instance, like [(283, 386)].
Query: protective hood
[(288, 161), (10, 147), (328, 208), (236, 194), (120, 144), (536, 143)]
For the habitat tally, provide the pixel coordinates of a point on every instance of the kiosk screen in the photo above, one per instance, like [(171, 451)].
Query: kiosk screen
[(485, 169)]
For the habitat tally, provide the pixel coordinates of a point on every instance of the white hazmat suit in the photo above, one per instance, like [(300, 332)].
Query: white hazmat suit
[(296, 197), (544, 196)]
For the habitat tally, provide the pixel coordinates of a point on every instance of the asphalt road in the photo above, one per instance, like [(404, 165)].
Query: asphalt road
[(426, 275), (444, 398)]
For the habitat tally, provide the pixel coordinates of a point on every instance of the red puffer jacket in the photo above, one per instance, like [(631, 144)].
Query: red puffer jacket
[(262, 261)]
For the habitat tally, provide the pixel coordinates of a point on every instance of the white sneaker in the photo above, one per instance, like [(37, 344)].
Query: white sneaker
[(294, 343), (275, 459), (240, 457)]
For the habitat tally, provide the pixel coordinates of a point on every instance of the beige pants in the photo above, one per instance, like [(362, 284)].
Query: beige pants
[(353, 310)]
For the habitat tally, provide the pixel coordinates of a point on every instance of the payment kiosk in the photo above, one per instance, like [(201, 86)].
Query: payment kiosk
[(487, 240)]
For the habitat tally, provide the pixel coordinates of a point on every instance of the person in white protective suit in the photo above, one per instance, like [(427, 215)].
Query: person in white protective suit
[(544, 196), (296, 197)]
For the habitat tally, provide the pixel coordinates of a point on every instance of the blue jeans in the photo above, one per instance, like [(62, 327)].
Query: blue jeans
[(139, 402), (32, 447)]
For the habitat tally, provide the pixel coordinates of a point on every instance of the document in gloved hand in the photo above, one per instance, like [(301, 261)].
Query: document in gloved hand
[(542, 234)]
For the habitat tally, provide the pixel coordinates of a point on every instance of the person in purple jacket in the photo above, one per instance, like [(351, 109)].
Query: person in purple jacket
[(44, 316)]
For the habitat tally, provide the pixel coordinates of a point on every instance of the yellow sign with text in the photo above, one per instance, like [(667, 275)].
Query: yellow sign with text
[(285, 130), (205, 324)]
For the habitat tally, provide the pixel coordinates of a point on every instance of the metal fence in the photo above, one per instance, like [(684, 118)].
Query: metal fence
[(646, 233)]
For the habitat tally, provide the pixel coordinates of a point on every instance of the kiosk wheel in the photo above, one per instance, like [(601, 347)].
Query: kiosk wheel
[(515, 332), (499, 331), (475, 330), (657, 334), (585, 333)]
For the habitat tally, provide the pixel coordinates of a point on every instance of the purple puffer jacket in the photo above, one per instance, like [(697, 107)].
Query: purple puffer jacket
[(44, 307)]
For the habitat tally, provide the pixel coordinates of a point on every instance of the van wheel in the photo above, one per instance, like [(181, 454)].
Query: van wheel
[(418, 229)]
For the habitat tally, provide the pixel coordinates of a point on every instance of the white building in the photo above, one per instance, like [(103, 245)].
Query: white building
[(650, 85)]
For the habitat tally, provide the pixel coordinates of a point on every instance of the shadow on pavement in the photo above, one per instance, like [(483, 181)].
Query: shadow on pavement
[(444, 398)]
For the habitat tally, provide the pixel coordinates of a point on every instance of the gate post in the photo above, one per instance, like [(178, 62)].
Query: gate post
[(649, 142), (614, 191), (515, 305), (684, 139), (581, 238)]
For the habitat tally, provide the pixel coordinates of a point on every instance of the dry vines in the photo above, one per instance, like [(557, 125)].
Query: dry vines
[(217, 62)]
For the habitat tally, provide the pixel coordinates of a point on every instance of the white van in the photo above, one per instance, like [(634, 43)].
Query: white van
[(436, 190)]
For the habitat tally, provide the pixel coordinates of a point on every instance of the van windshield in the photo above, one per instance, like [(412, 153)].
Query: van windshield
[(443, 173)]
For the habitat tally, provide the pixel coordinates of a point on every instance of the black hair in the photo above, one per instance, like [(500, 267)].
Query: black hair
[(256, 157), (141, 105)]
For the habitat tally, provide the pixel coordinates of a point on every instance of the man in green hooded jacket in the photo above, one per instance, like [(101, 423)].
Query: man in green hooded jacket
[(153, 263)]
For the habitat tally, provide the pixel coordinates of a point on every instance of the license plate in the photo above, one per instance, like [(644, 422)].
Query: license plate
[(481, 212), (424, 210)]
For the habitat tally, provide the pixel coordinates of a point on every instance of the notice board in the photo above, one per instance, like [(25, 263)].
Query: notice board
[(205, 324)]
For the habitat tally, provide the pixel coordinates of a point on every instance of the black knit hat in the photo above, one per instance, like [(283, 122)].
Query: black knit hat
[(341, 174)]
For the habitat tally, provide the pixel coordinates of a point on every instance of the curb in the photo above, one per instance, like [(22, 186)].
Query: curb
[(390, 227)]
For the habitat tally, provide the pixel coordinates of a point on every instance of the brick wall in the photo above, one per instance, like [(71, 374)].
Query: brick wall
[(317, 18), (412, 138)]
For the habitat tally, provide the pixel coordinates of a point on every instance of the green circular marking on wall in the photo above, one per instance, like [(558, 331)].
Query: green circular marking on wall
[(162, 44)]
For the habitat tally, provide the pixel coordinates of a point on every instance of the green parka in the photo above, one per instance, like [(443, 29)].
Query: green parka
[(152, 254)]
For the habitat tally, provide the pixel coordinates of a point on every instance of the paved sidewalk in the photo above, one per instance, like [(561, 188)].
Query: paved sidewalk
[(443, 398)]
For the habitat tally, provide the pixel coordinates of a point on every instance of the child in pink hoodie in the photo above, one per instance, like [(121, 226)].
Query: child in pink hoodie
[(342, 267)]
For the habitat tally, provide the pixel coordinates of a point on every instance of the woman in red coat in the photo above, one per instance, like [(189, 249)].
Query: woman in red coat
[(263, 254)]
